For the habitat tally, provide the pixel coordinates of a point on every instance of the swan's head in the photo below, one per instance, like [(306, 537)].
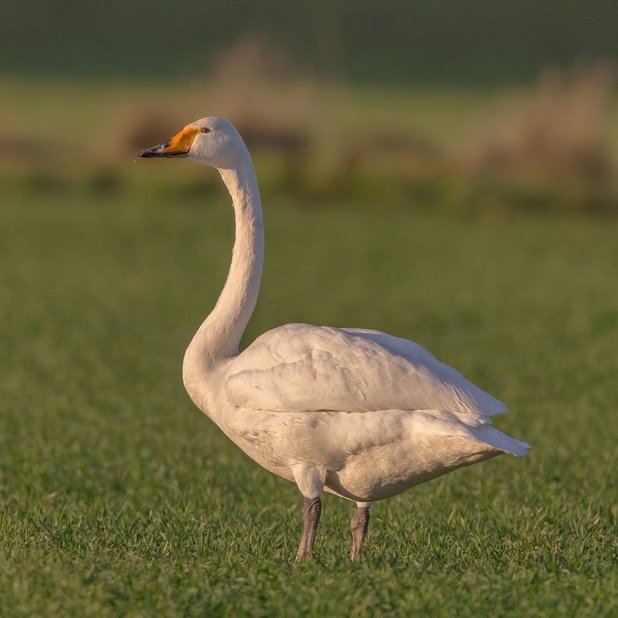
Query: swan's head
[(212, 141)]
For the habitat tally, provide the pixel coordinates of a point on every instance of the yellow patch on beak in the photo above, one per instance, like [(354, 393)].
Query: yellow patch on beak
[(177, 146), (181, 142)]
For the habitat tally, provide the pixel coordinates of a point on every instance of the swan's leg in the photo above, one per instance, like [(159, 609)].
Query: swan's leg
[(311, 518), (310, 481), (359, 524)]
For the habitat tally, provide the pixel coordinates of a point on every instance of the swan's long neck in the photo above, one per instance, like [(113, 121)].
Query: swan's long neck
[(219, 335)]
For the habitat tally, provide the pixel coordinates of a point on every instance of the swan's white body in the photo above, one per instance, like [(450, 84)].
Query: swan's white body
[(378, 414), (359, 413)]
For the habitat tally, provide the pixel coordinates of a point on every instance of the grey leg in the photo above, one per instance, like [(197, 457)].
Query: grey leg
[(311, 518), (359, 524)]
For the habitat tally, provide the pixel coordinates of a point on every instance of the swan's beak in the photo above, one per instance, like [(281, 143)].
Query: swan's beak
[(177, 146)]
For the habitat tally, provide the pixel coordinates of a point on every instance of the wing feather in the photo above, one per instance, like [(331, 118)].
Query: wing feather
[(301, 367)]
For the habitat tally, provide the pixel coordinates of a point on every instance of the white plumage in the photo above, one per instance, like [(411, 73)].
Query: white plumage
[(358, 413)]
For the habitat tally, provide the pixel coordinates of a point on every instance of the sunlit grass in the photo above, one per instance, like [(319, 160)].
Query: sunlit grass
[(117, 497)]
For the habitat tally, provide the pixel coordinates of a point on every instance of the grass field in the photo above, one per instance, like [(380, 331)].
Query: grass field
[(118, 498)]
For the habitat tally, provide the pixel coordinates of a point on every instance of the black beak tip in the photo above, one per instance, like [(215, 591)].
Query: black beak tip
[(160, 152), (148, 153)]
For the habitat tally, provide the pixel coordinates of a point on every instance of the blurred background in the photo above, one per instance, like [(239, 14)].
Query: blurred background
[(482, 108)]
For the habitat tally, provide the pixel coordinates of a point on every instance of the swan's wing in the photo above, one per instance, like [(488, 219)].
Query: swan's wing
[(300, 367)]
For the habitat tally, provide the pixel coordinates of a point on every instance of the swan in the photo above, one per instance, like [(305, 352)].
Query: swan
[(354, 412)]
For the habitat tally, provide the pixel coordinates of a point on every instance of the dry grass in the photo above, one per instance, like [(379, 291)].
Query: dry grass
[(558, 132), (256, 83)]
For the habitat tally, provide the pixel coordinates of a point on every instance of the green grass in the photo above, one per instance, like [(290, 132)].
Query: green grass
[(118, 498)]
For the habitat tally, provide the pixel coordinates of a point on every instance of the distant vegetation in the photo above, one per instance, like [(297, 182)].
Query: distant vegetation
[(551, 148), (438, 42), (399, 103)]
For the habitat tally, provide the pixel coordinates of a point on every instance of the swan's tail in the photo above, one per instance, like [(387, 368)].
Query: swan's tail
[(490, 435)]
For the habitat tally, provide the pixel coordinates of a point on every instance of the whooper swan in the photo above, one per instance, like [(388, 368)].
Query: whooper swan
[(358, 413)]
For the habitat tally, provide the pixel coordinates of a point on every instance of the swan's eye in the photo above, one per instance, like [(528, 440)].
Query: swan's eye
[(204, 130)]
